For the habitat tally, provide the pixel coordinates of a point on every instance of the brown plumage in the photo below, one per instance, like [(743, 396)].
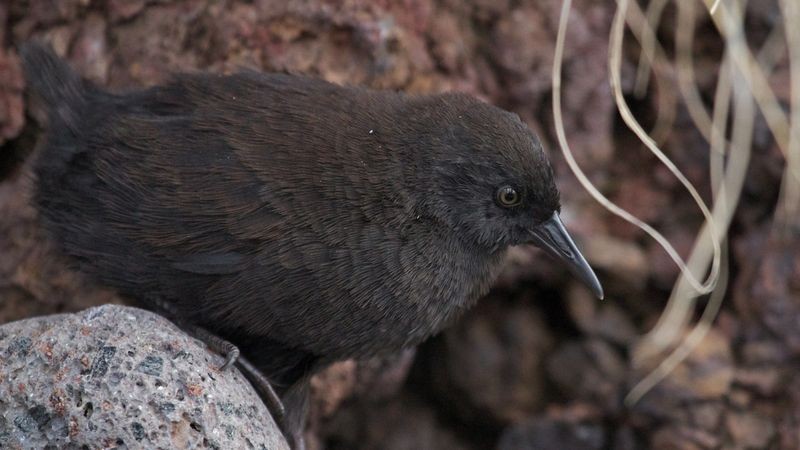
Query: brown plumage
[(303, 221)]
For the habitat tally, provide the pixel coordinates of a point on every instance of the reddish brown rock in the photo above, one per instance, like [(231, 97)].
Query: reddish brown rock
[(12, 111), (619, 258), (403, 423), (706, 374), (765, 381), (683, 438), (549, 434), (119, 10), (334, 385), (490, 365), (749, 430), (155, 44), (605, 320), (373, 379), (590, 371), (777, 288), (35, 14), (89, 53)]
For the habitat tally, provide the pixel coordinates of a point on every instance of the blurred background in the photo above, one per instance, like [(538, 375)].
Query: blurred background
[(540, 363)]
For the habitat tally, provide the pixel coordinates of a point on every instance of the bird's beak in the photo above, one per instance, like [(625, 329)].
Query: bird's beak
[(552, 237)]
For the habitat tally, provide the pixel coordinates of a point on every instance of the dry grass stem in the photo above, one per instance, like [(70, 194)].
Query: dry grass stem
[(743, 81)]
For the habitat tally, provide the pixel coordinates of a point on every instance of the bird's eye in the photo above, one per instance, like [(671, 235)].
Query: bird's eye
[(507, 197)]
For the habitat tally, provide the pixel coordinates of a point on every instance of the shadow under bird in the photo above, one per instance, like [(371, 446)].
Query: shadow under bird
[(301, 221)]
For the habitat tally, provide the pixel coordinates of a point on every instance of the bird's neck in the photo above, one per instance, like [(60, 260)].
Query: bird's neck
[(458, 275)]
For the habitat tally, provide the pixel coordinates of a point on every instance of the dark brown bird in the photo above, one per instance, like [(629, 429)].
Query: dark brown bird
[(304, 222)]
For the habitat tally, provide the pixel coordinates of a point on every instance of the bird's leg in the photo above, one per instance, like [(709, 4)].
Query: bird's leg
[(232, 356), (263, 387), (212, 341), (216, 344)]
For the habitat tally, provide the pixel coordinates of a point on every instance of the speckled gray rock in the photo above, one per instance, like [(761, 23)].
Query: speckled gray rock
[(121, 377)]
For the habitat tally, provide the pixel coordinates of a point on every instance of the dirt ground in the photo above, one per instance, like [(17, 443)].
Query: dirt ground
[(539, 364)]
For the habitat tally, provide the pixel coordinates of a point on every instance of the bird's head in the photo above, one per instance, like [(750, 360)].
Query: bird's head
[(487, 177)]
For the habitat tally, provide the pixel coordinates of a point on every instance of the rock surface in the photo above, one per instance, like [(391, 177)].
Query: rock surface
[(491, 362), (548, 434), (120, 377)]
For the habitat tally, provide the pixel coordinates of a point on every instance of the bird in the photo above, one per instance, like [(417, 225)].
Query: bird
[(301, 221)]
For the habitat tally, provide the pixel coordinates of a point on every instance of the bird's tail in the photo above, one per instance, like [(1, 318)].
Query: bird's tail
[(53, 82)]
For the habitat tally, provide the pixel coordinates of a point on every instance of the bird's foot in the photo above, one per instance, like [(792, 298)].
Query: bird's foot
[(259, 382), (214, 342), (253, 375), (293, 434), (218, 345)]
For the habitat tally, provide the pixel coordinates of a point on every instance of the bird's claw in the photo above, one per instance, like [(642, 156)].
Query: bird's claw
[(231, 356)]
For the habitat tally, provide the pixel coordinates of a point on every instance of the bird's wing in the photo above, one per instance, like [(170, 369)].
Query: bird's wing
[(183, 197), (210, 263)]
